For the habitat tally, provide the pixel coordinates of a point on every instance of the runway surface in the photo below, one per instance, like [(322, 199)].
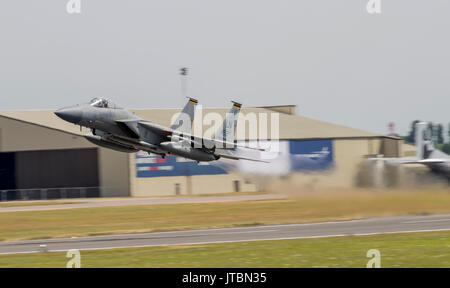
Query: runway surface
[(115, 202), (254, 233)]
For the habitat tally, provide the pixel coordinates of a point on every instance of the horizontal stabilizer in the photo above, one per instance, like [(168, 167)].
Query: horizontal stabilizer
[(432, 161), (229, 155), (398, 161)]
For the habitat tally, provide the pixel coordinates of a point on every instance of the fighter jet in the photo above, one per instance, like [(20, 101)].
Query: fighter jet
[(116, 128), (426, 154)]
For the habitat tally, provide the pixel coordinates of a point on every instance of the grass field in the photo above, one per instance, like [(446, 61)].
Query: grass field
[(307, 208), (431, 249), (34, 203)]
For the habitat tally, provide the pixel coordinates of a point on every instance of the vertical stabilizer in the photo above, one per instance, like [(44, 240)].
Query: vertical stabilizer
[(183, 123), (424, 144), (227, 130)]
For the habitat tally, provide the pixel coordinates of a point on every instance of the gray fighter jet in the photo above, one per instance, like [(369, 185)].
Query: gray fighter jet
[(426, 154), (118, 129)]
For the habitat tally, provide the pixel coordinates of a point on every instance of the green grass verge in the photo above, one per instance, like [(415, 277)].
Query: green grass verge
[(34, 203), (126, 219), (430, 249)]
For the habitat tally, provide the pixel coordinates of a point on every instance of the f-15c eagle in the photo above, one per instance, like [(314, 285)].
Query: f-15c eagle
[(118, 129)]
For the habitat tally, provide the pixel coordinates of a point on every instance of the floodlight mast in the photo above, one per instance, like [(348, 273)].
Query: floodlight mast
[(183, 74)]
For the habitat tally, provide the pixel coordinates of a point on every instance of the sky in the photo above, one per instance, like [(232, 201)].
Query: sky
[(332, 59)]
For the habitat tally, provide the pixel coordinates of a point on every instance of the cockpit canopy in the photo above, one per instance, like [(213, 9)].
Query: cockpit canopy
[(102, 103)]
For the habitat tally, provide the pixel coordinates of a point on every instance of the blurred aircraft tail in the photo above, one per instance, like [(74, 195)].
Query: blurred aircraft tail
[(424, 144)]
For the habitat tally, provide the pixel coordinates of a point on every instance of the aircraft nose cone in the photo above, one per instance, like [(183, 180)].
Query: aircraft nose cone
[(71, 114)]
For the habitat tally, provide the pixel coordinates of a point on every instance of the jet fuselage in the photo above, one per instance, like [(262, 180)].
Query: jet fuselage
[(118, 129)]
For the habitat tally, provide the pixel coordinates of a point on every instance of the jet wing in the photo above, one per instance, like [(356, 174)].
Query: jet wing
[(165, 131), (155, 128), (129, 126)]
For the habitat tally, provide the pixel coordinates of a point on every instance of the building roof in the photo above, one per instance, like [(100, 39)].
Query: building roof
[(291, 126)]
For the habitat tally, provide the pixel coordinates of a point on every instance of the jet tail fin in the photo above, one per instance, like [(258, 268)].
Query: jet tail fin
[(227, 130), (424, 144), (183, 123)]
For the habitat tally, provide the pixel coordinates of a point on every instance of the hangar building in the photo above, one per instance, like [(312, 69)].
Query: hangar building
[(43, 157)]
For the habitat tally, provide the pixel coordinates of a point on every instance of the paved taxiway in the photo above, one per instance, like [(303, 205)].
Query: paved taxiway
[(115, 202), (253, 233)]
